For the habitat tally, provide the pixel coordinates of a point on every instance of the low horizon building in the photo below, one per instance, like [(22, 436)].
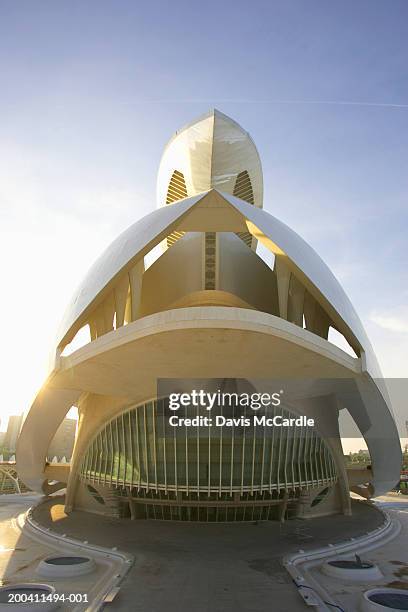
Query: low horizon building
[(62, 444), (12, 432)]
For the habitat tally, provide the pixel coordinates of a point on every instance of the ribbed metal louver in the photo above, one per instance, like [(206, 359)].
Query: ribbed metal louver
[(243, 187), (210, 260), (243, 190), (177, 190), (169, 468)]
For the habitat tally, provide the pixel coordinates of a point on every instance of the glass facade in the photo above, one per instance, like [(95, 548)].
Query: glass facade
[(142, 456)]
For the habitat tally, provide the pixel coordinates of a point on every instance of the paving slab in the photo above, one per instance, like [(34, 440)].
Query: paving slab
[(218, 567), (391, 558), (21, 551)]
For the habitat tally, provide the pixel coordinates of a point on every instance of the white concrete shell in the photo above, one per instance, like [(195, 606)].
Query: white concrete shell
[(210, 153), (305, 286), (140, 237), (213, 211)]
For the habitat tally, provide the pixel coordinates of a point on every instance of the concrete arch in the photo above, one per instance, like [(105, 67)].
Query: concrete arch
[(139, 238), (212, 211)]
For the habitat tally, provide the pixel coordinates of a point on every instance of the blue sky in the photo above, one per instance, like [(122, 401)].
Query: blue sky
[(91, 91)]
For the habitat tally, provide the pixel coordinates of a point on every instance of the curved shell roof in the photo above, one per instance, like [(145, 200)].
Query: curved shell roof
[(140, 237), (210, 153), (213, 160), (372, 415)]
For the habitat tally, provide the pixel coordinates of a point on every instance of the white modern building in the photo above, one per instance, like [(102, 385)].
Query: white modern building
[(209, 307), (13, 430)]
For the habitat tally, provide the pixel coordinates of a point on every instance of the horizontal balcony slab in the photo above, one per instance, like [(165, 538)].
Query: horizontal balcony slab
[(200, 342)]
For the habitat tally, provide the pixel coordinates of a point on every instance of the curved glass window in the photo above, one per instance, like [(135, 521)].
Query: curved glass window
[(140, 449)]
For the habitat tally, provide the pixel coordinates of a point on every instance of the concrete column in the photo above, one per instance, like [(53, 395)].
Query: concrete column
[(296, 301), (135, 279), (283, 506), (283, 279)]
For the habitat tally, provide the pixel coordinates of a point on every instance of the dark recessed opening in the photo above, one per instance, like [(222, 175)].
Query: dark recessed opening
[(66, 560), (348, 564), (394, 601)]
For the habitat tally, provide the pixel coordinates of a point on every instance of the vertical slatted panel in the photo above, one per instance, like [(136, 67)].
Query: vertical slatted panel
[(311, 458), (154, 418), (164, 447), (243, 457), (286, 457), (85, 463), (263, 458), (271, 459), (100, 455), (124, 450), (220, 483), (103, 435), (92, 469), (292, 456), (300, 476), (117, 449), (186, 455), (146, 459), (326, 468), (279, 457), (175, 458), (232, 455), (253, 458), (209, 460), (198, 453), (305, 450), (132, 463), (136, 440), (112, 452)]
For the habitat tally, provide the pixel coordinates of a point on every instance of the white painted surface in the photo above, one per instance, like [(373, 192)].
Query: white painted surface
[(364, 574), (210, 152), (24, 542), (50, 570)]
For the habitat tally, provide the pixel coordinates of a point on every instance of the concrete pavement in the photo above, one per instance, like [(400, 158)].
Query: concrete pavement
[(195, 567)]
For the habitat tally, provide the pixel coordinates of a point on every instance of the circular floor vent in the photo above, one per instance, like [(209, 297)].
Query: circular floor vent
[(23, 597), (383, 599), (352, 569), (65, 566)]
